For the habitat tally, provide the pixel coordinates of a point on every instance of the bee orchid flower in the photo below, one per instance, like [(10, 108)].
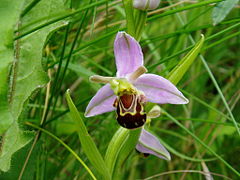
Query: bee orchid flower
[(128, 92), (132, 87)]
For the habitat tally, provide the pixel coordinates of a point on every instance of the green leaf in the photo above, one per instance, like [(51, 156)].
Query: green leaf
[(9, 13), (126, 149), (177, 73), (30, 74), (13, 140), (88, 145), (65, 145), (26, 74), (221, 10), (201, 142), (114, 147)]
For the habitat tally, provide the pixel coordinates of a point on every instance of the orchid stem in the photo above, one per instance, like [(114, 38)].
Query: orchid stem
[(114, 147), (126, 149), (141, 18), (129, 17)]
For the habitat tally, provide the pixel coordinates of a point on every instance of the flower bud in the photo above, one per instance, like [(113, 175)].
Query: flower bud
[(146, 4)]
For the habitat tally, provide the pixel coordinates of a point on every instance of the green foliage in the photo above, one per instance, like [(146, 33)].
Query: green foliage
[(87, 143), (10, 12), (177, 73), (114, 148), (26, 75), (13, 140), (37, 37), (221, 10)]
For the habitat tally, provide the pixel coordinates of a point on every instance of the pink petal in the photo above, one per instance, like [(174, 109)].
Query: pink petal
[(128, 54), (159, 90), (102, 102), (149, 144)]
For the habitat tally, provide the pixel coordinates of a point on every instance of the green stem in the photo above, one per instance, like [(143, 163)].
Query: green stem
[(114, 147), (140, 23), (126, 150), (129, 17)]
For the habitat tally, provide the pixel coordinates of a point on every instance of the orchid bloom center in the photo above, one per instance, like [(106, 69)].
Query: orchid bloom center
[(129, 103), (130, 110), (122, 86)]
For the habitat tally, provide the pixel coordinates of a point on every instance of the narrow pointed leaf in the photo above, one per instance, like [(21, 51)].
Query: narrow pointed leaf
[(177, 73), (221, 10), (88, 145)]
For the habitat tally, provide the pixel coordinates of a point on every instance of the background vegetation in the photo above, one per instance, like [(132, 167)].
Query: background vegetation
[(50, 46)]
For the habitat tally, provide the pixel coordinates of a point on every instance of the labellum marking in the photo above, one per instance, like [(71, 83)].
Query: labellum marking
[(130, 111)]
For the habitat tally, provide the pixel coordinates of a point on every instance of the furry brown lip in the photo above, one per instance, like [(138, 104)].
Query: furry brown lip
[(130, 111)]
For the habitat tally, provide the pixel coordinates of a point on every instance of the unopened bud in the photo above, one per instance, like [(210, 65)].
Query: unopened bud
[(146, 4)]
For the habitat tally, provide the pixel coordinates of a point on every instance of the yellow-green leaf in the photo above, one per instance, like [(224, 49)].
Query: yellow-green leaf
[(177, 73)]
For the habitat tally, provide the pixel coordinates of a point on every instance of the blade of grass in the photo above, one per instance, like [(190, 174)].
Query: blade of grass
[(203, 120), (88, 145), (61, 78), (61, 17), (213, 80), (191, 6), (201, 142), (205, 104), (173, 151), (65, 145), (190, 47), (177, 73)]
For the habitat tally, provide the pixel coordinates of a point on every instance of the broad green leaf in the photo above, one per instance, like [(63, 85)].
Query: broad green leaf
[(9, 13), (17, 163), (221, 10), (26, 75), (30, 74), (13, 140), (88, 145), (177, 73)]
